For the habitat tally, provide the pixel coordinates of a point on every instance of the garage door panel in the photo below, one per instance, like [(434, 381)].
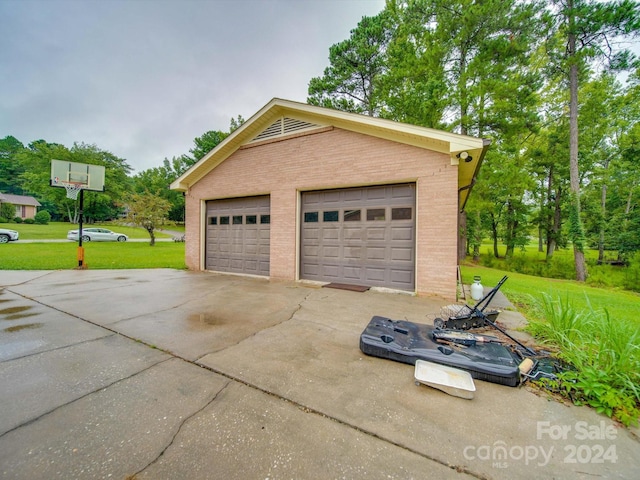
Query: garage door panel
[(310, 251), (360, 236), (402, 254), (376, 233), (375, 274), (376, 193), (404, 192), (402, 233), (331, 253), (354, 194), (352, 273), (352, 253), (330, 271), (353, 234), (376, 253), (238, 235), (331, 233)]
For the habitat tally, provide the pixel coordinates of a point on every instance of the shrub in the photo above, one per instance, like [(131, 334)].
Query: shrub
[(4, 220), (7, 210), (604, 354), (17, 219), (29, 221), (631, 279), (42, 217)]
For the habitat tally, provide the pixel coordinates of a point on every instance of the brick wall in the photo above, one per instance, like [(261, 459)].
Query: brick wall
[(336, 158)]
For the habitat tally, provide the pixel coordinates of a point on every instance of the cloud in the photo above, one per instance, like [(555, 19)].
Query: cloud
[(143, 78)]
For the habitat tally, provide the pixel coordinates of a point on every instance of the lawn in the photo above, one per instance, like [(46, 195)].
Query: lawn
[(522, 290), (58, 230), (97, 255)]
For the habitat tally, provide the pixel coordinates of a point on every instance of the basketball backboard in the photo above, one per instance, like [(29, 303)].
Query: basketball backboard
[(83, 175)]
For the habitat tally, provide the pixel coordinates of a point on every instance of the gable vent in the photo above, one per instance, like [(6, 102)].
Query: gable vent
[(283, 126)]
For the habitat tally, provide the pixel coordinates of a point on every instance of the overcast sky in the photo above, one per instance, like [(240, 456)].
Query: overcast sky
[(143, 78)]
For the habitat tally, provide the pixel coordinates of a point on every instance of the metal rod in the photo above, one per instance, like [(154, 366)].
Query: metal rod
[(80, 249)]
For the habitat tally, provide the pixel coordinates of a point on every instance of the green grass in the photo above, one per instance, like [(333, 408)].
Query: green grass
[(58, 230), (525, 290), (97, 255), (604, 353), (533, 262)]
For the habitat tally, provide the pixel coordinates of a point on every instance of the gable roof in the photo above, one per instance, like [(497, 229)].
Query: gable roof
[(283, 117), (19, 199)]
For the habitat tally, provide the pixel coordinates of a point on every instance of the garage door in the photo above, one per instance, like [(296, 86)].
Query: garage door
[(360, 236), (237, 235)]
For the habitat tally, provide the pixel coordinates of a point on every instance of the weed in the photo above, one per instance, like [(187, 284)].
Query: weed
[(604, 354)]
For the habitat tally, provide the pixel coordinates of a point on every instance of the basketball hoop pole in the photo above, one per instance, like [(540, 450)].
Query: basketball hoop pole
[(80, 247)]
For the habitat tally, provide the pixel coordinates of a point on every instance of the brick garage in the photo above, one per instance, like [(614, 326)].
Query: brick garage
[(250, 201)]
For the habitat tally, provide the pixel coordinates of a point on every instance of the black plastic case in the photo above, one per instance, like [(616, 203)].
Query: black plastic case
[(407, 342)]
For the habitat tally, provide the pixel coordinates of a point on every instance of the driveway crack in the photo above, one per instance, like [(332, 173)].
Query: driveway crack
[(70, 402), (294, 311), (61, 347), (178, 430)]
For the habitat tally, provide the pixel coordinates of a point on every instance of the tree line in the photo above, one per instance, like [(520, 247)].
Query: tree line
[(542, 80), (26, 170)]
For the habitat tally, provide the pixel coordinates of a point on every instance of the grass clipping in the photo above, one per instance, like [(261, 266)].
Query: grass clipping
[(604, 354)]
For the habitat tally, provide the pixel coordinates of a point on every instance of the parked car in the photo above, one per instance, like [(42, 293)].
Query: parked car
[(97, 235), (7, 236)]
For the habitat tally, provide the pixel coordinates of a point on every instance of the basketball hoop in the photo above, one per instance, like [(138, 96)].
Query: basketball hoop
[(72, 189)]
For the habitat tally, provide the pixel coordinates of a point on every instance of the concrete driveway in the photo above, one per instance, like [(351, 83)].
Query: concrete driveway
[(166, 374)]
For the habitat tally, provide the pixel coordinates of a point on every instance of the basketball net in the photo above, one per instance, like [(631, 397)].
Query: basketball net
[(72, 189)]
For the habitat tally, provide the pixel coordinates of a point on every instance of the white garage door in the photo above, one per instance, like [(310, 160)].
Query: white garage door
[(360, 236), (237, 235)]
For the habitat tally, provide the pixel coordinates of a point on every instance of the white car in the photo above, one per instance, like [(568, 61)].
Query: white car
[(97, 235), (7, 236)]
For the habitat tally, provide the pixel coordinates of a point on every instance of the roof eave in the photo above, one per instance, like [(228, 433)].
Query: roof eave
[(431, 139)]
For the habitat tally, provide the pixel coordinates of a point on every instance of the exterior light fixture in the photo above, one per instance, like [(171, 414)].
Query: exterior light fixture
[(465, 156)]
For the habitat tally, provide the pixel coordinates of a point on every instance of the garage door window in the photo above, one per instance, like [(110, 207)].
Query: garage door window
[(237, 219), (401, 214), (311, 217), (251, 219), (213, 220), (375, 214), (264, 219), (224, 220), (352, 215), (331, 216)]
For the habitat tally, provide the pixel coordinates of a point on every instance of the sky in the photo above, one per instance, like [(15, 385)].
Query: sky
[(143, 78)]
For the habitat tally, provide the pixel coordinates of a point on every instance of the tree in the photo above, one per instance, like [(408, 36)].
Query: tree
[(10, 169), (236, 123), (158, 179), (350, 83), (466, 61), (148, 211), (205, 143), (99, 206), (586, 30)]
